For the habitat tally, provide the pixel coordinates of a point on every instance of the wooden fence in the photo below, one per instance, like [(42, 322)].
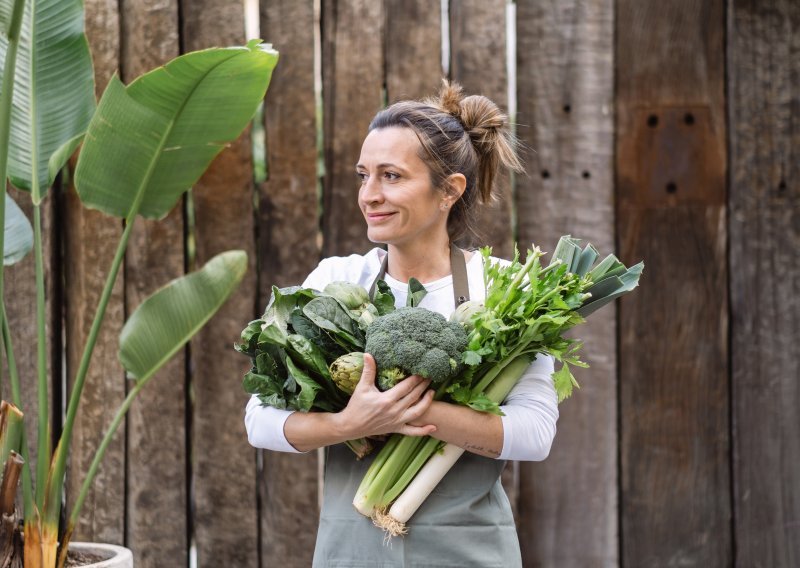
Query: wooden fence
[(668, 131)]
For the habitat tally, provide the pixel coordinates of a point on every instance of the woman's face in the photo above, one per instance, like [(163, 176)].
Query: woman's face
[(396, 196)]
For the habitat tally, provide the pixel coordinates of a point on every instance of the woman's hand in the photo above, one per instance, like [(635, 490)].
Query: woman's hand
[(371, 412)]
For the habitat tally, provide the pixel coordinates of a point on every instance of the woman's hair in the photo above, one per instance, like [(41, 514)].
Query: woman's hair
[(458, 134)]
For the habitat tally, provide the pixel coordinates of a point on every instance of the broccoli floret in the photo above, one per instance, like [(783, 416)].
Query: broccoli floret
[(415, 341)]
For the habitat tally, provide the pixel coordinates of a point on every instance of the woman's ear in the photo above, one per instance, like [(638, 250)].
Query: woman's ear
[(456, 184)]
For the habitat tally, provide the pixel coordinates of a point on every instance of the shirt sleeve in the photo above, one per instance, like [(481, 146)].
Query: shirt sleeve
[(531, 413), (264, 425)]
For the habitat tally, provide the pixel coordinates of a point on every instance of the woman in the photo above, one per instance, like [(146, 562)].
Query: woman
[(424, 168)]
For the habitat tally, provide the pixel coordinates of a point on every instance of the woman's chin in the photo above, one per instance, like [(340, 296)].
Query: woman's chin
[(379, 236)]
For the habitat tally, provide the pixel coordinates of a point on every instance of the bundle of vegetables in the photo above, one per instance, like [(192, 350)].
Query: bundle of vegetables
[(527, 310), (291, 346), (304, 331)]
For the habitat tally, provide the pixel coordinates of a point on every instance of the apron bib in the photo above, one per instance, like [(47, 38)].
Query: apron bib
[(466, 522)]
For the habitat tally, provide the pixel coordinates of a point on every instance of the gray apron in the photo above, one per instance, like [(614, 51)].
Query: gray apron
[(465, 522)]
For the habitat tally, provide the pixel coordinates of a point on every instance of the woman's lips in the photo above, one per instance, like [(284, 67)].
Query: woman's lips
[(378, 217)]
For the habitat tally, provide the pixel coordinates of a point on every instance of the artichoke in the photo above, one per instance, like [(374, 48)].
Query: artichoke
[(351, 295), (346, 371), (466, 311)]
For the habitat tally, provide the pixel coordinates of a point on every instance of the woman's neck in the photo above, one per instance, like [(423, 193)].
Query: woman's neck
[(424, 261)]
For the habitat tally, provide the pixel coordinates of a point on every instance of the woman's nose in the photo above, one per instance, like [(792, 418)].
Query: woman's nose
[(371, 190)]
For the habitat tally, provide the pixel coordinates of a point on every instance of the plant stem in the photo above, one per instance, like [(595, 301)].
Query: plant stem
[(10, 430), (504, 382), (6, 98), (421, 455), (361, 447), (11, 469), (13, 375), (391, 467), (492, 373), (517, 280), (9, 537), (44, 443)]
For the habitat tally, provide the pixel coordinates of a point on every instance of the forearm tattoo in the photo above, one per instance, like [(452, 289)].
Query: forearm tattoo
[(480, 449)]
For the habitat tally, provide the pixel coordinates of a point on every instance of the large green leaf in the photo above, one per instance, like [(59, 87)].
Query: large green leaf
[(54, 89), (165, 321), (18, 234), (149, 142)]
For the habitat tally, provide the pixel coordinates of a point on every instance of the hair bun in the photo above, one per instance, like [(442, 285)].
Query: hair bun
[(449, 99), (479, 115)]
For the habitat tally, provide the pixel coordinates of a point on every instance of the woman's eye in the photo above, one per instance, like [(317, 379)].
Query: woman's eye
[(361, 176), (391, 175)]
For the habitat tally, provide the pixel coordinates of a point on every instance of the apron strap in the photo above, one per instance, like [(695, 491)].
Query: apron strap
[(458, 267)]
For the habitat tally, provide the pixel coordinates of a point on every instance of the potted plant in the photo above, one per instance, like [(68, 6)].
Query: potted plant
[(143, 146)]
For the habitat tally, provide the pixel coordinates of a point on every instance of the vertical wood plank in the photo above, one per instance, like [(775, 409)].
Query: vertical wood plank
[(90, 239), (764, 66), (225, 522), (565, 95), (156, 515), (288, 226), (674, 395), (413, 39), (288, 250), (478, 62), (352, 74)]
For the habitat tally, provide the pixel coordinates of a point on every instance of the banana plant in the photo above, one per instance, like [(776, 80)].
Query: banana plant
[(143, 146)]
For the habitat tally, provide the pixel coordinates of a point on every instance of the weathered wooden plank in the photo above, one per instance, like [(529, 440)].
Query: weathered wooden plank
[(413, 49), (90, 239), (674, 396), (765, 278), (478, 62), (288, 232), (352, 75), (565, 95), (289, 249), (157, 487), (224, 474)]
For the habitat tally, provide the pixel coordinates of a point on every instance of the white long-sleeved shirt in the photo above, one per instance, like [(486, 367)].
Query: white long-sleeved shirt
[(530, 410)]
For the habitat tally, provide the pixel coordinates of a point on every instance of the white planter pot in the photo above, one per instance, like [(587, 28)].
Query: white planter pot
[(113, 556)]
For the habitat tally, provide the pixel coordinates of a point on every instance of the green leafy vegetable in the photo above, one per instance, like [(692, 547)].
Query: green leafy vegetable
[(416, 292), (383, 298)]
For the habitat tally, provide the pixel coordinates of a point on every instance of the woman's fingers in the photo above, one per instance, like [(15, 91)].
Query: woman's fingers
[(419, 407), (409, 430), (415, 393), (404, 387), (367, 380)]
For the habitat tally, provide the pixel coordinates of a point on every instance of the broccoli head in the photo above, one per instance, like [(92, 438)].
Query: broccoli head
[(415, 341)]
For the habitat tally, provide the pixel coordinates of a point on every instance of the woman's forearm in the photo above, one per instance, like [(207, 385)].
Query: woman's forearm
[(477, 432), (311, 430)]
